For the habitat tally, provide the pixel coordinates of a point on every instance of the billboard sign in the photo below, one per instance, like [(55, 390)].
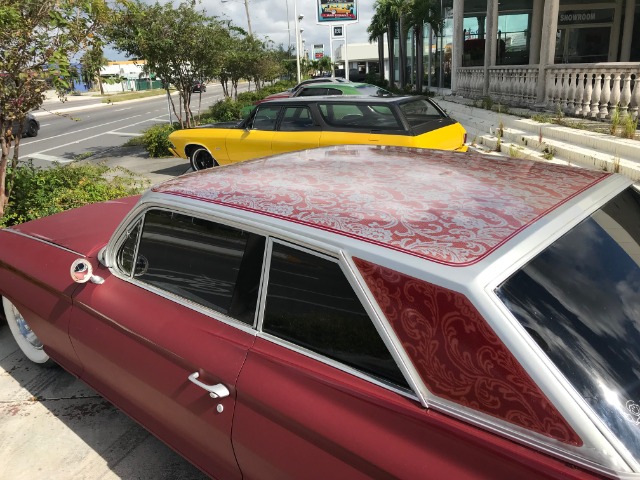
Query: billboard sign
[(338, 31), (332, 11), (318, 51)]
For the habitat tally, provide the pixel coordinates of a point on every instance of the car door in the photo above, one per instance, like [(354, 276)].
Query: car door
[(255, 140), (303, 401), (297, 130), (171, 323)]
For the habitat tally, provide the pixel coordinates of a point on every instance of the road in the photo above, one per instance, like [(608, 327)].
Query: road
[(85, 126)]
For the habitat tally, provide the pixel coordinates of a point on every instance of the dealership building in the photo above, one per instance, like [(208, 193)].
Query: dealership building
[(580, 57)]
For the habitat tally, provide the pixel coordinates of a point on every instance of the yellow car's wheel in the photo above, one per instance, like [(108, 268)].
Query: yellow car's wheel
[(200, 159)]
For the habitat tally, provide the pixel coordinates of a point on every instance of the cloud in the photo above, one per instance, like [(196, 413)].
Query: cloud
[(269, 20)]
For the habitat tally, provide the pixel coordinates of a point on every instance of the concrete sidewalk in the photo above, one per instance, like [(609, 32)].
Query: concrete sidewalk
[(137, 160)]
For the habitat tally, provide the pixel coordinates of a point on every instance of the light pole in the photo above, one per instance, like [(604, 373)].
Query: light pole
[(246, 9), (298, 19)]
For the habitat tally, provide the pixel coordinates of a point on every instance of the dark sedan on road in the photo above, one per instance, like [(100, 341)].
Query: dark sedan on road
[(30, 126)]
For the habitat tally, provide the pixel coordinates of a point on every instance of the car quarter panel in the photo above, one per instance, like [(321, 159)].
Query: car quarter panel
[(299, 418), (40, 286)]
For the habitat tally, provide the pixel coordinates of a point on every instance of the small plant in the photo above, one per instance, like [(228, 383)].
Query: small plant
[(615, 120), (503, 108), (499, 135), (629, 127), (548, 153), (558, 119), (541, 118), (514, 152), (156, 140), (83, 155), (487, 103), (616, 164)]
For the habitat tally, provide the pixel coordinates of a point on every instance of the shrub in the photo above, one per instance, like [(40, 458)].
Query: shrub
[(156, 140), (37, 192), (225, 110)]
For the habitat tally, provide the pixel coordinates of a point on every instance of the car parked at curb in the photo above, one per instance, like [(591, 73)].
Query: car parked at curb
[(353, 312), (346, 88), (292, 91), (290, 124)]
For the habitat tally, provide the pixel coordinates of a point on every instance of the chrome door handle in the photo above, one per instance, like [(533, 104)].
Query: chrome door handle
[(215, 391)]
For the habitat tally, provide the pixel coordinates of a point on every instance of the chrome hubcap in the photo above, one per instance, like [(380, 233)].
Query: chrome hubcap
[(26, 331)]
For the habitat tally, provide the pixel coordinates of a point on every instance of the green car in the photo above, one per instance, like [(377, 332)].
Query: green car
[(365, 89), (324, 89)]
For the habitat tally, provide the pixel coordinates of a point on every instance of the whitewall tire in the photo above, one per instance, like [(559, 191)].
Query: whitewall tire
[(24, 336)]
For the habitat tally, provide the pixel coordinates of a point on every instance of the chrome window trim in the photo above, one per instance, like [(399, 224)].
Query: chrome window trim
[(120, 238)]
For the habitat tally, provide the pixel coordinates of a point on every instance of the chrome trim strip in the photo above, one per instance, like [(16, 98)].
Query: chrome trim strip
[(42, 240)]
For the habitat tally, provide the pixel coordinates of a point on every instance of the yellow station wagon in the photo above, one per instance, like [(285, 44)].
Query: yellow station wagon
[(290, 124)]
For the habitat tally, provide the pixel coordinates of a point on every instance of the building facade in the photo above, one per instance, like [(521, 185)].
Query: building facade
[(580, 57)]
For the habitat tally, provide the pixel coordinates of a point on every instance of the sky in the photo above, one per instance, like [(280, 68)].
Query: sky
[(269, 20)]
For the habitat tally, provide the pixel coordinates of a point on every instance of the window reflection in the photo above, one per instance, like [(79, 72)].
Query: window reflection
[(580, 301)]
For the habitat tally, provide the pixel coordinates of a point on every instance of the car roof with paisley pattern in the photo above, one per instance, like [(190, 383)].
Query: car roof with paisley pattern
[(446, 207)]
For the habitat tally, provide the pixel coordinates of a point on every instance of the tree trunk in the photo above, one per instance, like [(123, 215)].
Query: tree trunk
[(4, 157), (381, 57), (402, 53), (392, 67), (419, 36)]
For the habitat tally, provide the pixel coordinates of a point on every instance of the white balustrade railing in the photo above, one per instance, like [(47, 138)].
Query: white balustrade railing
[(594, 90), (588, 90)]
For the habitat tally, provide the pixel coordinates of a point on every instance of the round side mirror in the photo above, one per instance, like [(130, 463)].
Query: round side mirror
[(81, 270)]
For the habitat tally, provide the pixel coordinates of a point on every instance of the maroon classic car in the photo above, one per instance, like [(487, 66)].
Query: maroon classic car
[(353, 312)]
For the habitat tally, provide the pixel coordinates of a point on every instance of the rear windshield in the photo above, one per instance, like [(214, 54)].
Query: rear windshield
[(420, 111), (580, 301)]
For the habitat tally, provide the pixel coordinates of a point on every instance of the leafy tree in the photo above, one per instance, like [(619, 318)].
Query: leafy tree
[(325, 64), (180, 45), (38, 38), (92, 61)]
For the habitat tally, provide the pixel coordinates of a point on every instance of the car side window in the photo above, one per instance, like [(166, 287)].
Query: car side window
[(360, 116), (333, 91), (312, 92), (296, 119), (211, 264), (265, 118), (310, 303)]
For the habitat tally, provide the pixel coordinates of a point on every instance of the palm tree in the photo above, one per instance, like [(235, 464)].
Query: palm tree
[(376, 30), (387, 12), (423, 11), (400, 11)]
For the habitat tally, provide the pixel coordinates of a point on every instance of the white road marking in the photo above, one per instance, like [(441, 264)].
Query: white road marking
[(86, 138), (123, 134), (83, 130), (49, 158), (123, 109)]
